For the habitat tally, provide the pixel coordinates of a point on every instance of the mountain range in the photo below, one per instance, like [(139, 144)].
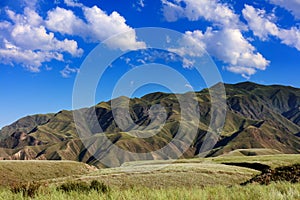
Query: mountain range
[(259, 120)]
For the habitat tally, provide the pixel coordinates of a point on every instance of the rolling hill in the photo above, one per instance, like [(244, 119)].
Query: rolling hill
[(259, 120)]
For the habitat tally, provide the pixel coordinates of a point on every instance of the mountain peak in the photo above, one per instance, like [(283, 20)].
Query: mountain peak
[(248, 85)]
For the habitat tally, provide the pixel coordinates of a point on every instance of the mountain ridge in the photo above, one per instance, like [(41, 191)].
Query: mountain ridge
[(258, 117)]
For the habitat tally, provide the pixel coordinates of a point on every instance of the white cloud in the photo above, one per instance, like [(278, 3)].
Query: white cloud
[(67, 71), (65, 22), (104, 25), (72, 3), (141, 61), (101, 26), (225, 41), (37, 38), (172, 12), (190, 45), (127, 60), (227, 45), (189, 86), (187, 63), (29, 17), (31, 3), (290, 37), (30, 40), (26, 41), (98, 27), (259, 22), (291, 5), (31, 60), (209, 10), (139, 5), (34, 39), (263, 27), (245, 71)]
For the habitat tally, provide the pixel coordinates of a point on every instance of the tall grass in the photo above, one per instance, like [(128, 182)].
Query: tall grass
[(274, 191)]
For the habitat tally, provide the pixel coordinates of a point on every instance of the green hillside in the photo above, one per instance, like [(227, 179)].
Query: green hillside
[(262, 118)]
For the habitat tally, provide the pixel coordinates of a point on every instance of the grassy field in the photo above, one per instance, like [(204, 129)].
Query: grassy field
[(197, 178), (271, 160), (175, 175), (275, 191), (24, 171)]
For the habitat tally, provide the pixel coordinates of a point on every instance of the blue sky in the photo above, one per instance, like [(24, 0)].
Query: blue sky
[(43, 44)]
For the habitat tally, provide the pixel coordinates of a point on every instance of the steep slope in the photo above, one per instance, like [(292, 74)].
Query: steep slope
[(258, 117), (25, 124), (261, 137)]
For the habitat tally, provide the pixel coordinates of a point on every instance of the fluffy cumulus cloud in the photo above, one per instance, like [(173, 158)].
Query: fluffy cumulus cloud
[(224, 40), (96, 27), (263, 27), (31, 60), (31, 40), (26, 41), (64, 21), (261, 24), (227, 45), (291, 5), (245, 71), (209, 10), (290, 37)]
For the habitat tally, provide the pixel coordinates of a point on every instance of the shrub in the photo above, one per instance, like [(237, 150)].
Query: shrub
[(75, 186), (99, 186), (286, 173), (28, 189), (84, 187)]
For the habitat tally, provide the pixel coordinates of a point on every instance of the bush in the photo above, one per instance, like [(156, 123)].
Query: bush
[(84, 187), (286, 173), (99, 186), (28, 189), (75, 186)]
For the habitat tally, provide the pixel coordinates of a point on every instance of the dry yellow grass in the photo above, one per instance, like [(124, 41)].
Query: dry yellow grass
[(27, 171)]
